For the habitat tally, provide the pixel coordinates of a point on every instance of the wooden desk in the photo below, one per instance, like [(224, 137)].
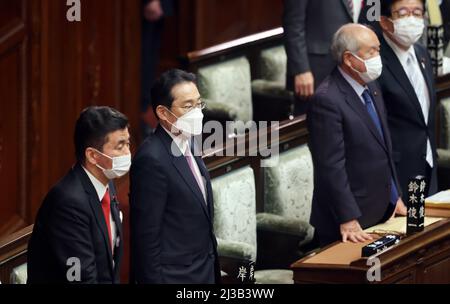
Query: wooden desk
[(420, 258)]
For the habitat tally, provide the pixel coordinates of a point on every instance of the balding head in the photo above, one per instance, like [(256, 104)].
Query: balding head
[(353, 45), (352, 38)]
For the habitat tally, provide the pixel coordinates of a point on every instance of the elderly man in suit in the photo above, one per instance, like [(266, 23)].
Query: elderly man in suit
[(172, 238), (309, 26), (77, 236), (355, 183), (407, 84)]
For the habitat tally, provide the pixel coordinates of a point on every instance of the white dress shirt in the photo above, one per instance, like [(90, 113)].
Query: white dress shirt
[(357, 87), (184, 146), (411, 66), (101, 190)]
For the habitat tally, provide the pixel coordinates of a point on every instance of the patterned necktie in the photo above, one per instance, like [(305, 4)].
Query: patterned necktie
[(373, 114)]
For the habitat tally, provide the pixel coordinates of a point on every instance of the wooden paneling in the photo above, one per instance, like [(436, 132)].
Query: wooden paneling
[(218, 21), (204, 23), (13, 111), (50, 70)]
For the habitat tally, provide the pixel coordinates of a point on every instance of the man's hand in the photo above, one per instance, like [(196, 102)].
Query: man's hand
[(304, 84), (153, 11), (352, 231), (400, 208)]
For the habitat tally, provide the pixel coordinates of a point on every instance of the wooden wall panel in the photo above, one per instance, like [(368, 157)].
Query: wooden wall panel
[(50, 70), (13, 108), (203, 23)]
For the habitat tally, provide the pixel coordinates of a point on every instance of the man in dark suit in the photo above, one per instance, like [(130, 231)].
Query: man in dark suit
[(172, 239), (407, 84), (309, 26), (154, 15), (77, 236), (355, 184)]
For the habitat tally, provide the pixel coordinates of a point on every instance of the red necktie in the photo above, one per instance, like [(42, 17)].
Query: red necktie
[(106, 206)]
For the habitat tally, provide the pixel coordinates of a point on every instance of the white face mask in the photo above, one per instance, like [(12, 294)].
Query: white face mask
[(120, 166), (190, 124), (408, 31), (374, 67)]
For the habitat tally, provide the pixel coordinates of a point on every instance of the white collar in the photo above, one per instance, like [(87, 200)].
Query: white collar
[(99, 187), (357, 87), (402, 55), (181, 142)]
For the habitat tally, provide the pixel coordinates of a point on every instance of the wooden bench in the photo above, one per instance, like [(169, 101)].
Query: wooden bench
[(13, 252), (272, 104)]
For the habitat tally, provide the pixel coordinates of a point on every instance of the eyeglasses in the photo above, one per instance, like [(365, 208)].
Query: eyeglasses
[(188, 107), (404, 12)]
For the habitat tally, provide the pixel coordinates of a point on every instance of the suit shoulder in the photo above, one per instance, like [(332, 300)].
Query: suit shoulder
[(326, 92), (68, 192), (421, 48), (151, 150)]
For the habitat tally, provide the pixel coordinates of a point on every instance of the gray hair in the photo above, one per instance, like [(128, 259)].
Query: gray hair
[(345, 39)]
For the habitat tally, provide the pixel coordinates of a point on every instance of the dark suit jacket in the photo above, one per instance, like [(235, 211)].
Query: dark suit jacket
[(352, 164), (445, 9), (171, 226), (309, 26), (406, 122), (70, 223)]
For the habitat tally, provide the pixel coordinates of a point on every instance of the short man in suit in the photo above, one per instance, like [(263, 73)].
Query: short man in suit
[(355, 184), (407, 84), (172, 239), (77, 236), (309, 26)]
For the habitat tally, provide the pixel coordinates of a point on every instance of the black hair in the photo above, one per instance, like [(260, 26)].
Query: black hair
[(386, 6), (93, 127), (161, 93)]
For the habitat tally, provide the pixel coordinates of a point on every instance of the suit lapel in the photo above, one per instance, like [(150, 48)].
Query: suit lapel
[(204, 172), (180, 163), (396, 68), (356, 104), (430, 85), (115, 212), (347, 9), (97, 209), (119, 237)]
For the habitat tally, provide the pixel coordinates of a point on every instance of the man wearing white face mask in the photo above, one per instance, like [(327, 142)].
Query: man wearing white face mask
[(77, 236), (407, 84), (172, 238), (355, 184)]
